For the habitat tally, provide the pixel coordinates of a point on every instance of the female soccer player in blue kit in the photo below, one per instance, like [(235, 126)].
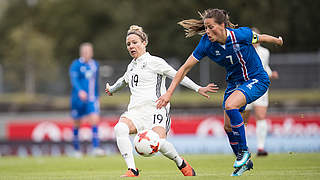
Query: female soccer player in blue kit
[(232, 49), (84, 76)]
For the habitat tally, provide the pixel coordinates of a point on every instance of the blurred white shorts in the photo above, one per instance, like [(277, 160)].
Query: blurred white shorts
[(262, 101)]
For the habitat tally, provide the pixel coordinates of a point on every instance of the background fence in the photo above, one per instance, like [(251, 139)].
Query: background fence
[(296, 71)]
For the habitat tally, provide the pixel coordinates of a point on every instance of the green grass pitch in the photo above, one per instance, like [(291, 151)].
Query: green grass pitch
[(275, 166)]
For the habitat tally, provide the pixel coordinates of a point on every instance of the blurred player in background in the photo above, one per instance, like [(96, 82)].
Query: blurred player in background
[(84, 76), (231, 48), (260, 105), (145, 77)]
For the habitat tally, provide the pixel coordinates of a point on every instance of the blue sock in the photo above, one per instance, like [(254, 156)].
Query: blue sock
[(238, 128), (76, 143), (95, 138), (234, 142)]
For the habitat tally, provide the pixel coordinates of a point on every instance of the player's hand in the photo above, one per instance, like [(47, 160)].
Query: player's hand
[(213, 88), (274, 75), (107, 89), (280, 41), (163, 100), (83, 95)]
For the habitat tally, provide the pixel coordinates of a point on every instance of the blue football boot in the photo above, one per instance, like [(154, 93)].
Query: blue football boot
[(242, 158), (240, 170)]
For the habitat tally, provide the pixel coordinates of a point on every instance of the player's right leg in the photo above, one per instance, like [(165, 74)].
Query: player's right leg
[(122, 130), (75, 141), (233, 137), (77, 110), (169, 151)]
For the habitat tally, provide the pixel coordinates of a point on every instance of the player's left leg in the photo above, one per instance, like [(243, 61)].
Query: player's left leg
[(247, 113), (169, 151), (261, 129), (94, 118)]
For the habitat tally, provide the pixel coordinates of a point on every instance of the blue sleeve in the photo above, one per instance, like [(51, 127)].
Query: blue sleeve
[(97, 80), (74, 76), (245, 35), (200, 51)]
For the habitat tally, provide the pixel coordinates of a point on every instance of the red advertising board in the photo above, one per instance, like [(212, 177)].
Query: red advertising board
[(197, 125)]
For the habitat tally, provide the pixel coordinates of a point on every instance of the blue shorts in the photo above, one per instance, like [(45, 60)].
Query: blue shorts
[(80, 109), (252, 89)]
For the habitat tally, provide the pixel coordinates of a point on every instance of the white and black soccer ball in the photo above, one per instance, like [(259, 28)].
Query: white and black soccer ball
[(147, 143)]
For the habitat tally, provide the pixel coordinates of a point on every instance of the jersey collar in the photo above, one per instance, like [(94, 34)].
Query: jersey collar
[(142, 57), (82, 60), (228, 34)]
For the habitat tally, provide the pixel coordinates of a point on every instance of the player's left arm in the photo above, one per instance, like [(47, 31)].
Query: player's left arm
[(97, 80), (260, 38)]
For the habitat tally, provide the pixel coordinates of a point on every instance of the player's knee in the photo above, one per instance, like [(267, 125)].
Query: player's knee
[(260, 117), (230, 105), (227, 128), (76, 124), (121, 129), (94, 119)]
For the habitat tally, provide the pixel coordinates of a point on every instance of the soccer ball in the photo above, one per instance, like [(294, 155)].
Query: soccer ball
[(146, 143)]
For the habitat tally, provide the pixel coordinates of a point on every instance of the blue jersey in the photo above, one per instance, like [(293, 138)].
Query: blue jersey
[(237, 56), (84, 76)]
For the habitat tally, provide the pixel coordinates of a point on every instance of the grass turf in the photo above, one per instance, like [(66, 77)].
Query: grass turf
[(275, 166)]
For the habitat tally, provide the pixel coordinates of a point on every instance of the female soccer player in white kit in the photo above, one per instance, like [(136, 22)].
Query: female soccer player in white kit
[(145, 77), (260, 106)]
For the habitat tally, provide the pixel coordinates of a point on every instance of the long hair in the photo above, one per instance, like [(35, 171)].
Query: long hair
[(196, 26)]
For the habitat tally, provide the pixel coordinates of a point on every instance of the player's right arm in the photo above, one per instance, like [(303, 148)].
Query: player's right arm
[(74, 78), (181, 73), (120, 83), (162, 67)]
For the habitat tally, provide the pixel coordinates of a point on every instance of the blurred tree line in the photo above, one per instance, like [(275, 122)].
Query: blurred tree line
[(41, 36)]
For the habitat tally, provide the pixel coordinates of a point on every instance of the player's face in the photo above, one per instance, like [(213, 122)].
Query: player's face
[(135, 46), (86, 52), (214, 30)]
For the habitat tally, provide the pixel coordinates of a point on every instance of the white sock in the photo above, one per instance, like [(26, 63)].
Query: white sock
[(169, 151), (261, 131), (124, 144)]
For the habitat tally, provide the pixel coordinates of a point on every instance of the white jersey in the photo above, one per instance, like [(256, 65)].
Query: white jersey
[(146, 77), (264, 55)]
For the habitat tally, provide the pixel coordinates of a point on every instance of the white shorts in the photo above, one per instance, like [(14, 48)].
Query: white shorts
[(262, 101), (148, 116)]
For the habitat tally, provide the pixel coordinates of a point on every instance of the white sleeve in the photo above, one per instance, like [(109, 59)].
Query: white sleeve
[(119, 84), (264, 55), (160, 66), (265, 62), (268, 70)]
